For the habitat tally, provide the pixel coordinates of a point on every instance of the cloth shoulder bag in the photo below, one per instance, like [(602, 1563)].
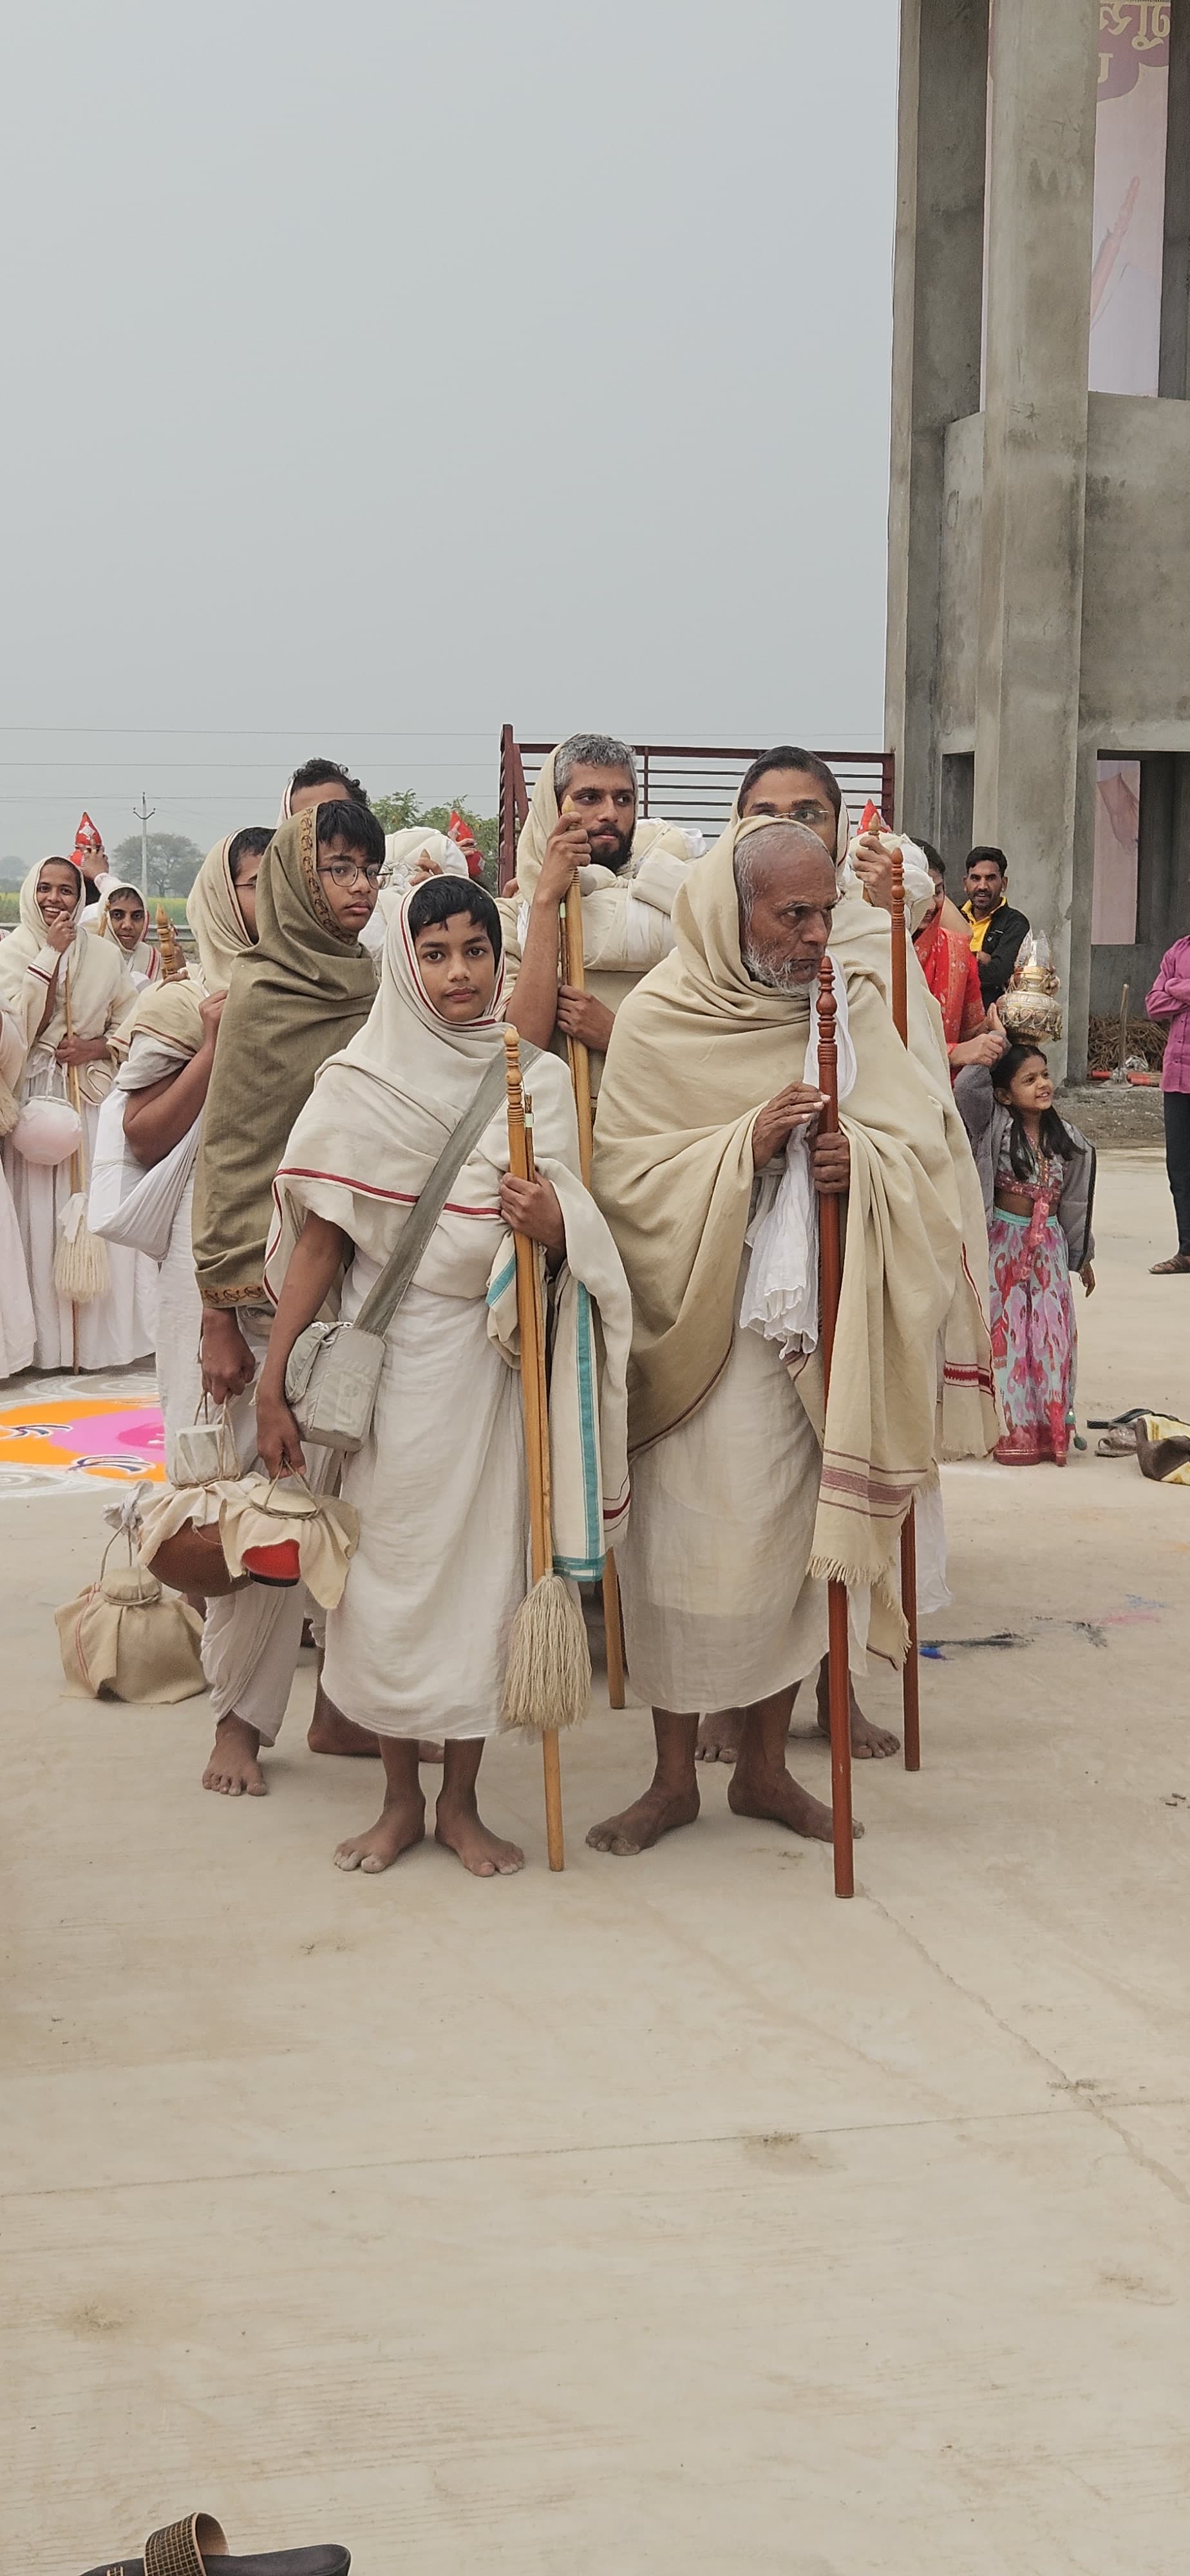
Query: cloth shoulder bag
[(333, 1370), (48, 1128), (129, 1202)]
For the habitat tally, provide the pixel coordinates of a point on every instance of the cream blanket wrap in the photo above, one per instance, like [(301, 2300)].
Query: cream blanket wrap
[(418, 1642), (92, 977), (696, 1051), (626, 919)]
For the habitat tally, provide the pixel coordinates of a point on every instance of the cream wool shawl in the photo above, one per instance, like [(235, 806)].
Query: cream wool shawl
[(696, 1052), (615, 953), (92, 973), (221, 935), (359, 1156)]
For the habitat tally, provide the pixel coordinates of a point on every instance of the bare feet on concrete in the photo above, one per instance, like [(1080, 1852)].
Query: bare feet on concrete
[(460, 1828), (662, 1810), (772, 1794), (233, 1770), (400, 1824), (868, 1743), (720, 1735), (331, 1732)]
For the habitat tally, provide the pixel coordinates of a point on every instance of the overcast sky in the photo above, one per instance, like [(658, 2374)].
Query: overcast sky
[(380, 371)]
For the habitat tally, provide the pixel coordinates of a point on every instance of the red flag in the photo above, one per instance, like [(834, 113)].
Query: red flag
[(86, 837), (872, 820), (459, 831)]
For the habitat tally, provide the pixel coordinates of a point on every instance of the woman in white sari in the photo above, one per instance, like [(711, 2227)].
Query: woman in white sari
[(67, 991), (16, 1305), (418, 1644), (170, 1059)]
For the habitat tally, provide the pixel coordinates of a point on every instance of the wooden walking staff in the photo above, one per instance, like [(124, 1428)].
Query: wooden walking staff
[(910, 1671), (830, 1283), (549, 1685), (580, 1075)]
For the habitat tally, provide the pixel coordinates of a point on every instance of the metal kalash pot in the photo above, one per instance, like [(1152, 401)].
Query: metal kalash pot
[(1031, 1007)]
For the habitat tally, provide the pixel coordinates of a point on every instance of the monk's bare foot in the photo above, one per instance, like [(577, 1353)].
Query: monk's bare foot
[(331, 1732), (460, 1828), (400, 1824), (868, 1743), (233, 1769), (428, 1752), (660, 1811), (720, 1736), (778, 1798)]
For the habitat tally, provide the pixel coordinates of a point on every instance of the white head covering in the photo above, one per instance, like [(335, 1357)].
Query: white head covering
[(142, 960), (213, 911), (381, 1111), (92, 973)]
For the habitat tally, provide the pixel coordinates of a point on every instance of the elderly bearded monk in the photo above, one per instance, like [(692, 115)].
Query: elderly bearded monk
[(740, 1509), (628, 873)]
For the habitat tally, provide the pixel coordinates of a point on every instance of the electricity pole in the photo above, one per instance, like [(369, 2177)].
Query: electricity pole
[(144, 813)]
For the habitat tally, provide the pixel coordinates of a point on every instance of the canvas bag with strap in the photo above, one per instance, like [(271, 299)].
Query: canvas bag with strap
[(333, 1370)]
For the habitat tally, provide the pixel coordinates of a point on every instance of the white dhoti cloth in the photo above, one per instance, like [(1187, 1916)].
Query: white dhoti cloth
[(251, 1639), (718, 1608)]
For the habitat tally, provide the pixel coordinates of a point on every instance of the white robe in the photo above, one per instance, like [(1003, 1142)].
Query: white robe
[(17, 1330), (113, 1330)]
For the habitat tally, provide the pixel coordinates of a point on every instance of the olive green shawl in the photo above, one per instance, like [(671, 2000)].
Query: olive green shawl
[(294, 1000)]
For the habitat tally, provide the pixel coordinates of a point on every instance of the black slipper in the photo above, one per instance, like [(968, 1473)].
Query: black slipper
[(197, 2547)]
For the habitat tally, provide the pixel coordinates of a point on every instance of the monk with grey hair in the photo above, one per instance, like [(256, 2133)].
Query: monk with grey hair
[(582, 821), (749, 1490)]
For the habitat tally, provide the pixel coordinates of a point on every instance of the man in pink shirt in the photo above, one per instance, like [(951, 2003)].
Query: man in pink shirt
[(1170, 1000)]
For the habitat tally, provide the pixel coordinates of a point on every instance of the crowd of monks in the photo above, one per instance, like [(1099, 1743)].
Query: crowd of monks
[(348, 1001)]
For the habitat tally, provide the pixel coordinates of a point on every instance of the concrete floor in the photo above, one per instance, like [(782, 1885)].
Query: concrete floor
[(669, 2215)]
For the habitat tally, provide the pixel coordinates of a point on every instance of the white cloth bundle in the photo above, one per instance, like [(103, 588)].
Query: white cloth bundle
[(130, 1202), (780, 1298), (253, 1513)]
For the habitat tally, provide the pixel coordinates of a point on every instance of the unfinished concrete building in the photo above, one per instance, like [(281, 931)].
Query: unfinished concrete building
[(1039, 583)]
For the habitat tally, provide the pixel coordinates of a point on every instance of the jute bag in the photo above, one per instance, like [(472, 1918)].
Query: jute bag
[(121, 1638)]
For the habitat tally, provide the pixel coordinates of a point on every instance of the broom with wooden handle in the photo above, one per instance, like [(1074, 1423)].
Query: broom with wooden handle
[(81, 1269), (580, 1075), (547, 1683), (910, 1672), (830, 1283)]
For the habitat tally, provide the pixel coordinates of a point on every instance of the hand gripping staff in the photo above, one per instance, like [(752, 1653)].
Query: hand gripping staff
[(548, 1680), (910, 1672), (580, 1075), (830, 1282)]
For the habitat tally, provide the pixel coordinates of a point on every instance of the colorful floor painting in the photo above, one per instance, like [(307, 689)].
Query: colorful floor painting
[(66, 1432)]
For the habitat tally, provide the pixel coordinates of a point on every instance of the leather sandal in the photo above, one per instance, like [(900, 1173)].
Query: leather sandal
[(196, 2546)]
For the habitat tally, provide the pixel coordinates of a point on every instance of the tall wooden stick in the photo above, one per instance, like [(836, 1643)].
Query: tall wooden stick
[(830, 1283), (76, 1162), (911, 1669), (537, 1445), (580, 1075)]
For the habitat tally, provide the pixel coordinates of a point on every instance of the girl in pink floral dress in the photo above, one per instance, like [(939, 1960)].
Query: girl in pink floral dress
[(1039, 1231)]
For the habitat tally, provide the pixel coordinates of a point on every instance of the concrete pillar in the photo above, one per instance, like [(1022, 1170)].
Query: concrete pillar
[(1174, 373), (1042, 167), (937, 311)]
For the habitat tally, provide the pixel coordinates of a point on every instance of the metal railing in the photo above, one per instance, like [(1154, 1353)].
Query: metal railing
[(690, 783)]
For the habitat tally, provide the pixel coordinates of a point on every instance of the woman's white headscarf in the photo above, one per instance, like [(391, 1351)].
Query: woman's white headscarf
[(220, 931), (142, 960), (92, 973)]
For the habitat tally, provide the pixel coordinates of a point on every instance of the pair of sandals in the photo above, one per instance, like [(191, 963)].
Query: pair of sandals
[(197, 2547), (1169, 1269)]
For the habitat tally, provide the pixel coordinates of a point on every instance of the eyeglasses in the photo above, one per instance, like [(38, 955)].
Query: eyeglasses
[(345, 871)]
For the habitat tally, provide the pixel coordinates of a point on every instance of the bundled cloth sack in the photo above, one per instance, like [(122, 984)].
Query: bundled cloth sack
[(122, 1639), (255, 1519)]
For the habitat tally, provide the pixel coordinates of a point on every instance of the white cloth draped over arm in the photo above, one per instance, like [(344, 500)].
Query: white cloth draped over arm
[(780, 1298)]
